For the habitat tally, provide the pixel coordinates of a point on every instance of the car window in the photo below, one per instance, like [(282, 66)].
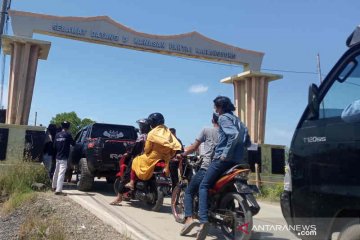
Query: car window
[(77, 137), (344, 94), (84, 135), (113, 131)]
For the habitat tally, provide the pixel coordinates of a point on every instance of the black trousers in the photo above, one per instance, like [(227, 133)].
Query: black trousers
[(173, 167), (126, 177)]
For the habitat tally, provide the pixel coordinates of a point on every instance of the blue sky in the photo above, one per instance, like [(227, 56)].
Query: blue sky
[(120, 86)]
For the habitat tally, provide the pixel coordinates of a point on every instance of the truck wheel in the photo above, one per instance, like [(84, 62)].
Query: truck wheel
[(86, 180), (110, 180), (351, 231)]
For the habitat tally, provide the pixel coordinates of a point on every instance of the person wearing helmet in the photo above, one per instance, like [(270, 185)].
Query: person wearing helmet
[(160, 144), (63, 140), (138, 149)]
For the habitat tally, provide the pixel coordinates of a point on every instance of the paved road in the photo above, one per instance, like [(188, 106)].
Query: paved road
[(135, 221)]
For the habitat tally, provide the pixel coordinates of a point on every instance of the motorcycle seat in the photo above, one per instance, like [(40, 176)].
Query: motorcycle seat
[(236, 167)]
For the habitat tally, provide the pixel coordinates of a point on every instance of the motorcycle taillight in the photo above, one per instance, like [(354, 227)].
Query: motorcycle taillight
[(91, 145), (160, 164), (244, 175)]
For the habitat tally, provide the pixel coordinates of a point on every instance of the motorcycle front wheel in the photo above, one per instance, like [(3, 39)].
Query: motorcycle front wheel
[(117, 185), (177, 204), (239, 221)]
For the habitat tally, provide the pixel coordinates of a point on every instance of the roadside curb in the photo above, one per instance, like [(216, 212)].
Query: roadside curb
[(118, 222)]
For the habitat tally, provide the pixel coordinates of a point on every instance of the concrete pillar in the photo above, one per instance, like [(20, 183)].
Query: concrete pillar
[(250, 98), (24, 59)]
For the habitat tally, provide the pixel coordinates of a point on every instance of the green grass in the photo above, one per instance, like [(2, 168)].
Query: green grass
[(271, 192), (37, 227), (16, 179), (17, 199)]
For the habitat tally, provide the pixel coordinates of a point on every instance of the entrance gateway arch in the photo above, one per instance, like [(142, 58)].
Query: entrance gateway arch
[(250, 87)]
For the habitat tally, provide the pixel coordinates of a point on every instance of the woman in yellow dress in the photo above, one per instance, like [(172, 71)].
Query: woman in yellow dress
[(160, 144)]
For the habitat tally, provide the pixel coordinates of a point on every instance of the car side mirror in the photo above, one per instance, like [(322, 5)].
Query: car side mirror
[(313, 102)]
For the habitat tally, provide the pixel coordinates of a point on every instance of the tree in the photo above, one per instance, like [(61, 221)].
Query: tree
[(76, 122)]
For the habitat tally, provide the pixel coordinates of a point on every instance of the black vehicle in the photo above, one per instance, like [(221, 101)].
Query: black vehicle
[(232, 204), (97, 150), (322, 181)]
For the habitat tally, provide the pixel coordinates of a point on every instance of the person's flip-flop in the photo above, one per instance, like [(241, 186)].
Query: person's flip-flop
[(188, 227)]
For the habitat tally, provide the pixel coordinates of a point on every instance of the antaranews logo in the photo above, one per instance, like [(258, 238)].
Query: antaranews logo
[(244, 228), (301, 230)]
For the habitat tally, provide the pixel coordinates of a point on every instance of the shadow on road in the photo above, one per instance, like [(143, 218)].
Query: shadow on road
[(138, 204), (265, 236)]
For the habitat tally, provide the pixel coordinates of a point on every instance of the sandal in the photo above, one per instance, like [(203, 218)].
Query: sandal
[(129, 186), (203, 231), (116, 203)]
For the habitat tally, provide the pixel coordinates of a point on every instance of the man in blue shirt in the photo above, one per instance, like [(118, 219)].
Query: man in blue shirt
[(62, 143)]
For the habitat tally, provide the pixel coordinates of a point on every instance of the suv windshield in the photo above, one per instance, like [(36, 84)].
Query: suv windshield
[(113, 131)]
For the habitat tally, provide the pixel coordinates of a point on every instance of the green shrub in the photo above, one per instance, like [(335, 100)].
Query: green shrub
[(16, 180), (18, 177), (271, 192)]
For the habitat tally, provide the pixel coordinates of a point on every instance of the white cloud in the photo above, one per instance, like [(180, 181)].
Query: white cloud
[(199, 88)]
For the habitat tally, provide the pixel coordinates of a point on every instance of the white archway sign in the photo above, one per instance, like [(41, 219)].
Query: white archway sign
[(250, 87), (104, 30)]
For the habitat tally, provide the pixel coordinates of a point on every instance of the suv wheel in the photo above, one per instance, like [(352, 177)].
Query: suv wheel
[(86, 180)]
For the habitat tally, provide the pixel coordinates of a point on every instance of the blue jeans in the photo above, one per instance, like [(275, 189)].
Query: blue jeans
[(215, 170), (191, 190)]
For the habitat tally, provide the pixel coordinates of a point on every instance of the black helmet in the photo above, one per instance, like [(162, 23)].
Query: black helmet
[(65, 125), (156, 119), (143, 125)]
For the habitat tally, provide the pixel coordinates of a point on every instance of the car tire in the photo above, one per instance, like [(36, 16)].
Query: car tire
[(110, 180), (351, 231), (86, 180)]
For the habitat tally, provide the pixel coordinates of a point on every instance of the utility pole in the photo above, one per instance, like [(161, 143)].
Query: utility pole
[(319, 67), (3, 20), (35, 118)]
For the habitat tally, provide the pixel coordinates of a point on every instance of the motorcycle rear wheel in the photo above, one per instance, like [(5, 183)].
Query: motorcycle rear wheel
[(178, 205), (241, 225), (156, 206)]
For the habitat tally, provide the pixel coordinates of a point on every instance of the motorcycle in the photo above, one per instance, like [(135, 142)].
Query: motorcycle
[(150, 192), (232, 204)]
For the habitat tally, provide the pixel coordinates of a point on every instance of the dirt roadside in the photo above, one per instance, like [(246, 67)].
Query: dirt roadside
[(58, 217)]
